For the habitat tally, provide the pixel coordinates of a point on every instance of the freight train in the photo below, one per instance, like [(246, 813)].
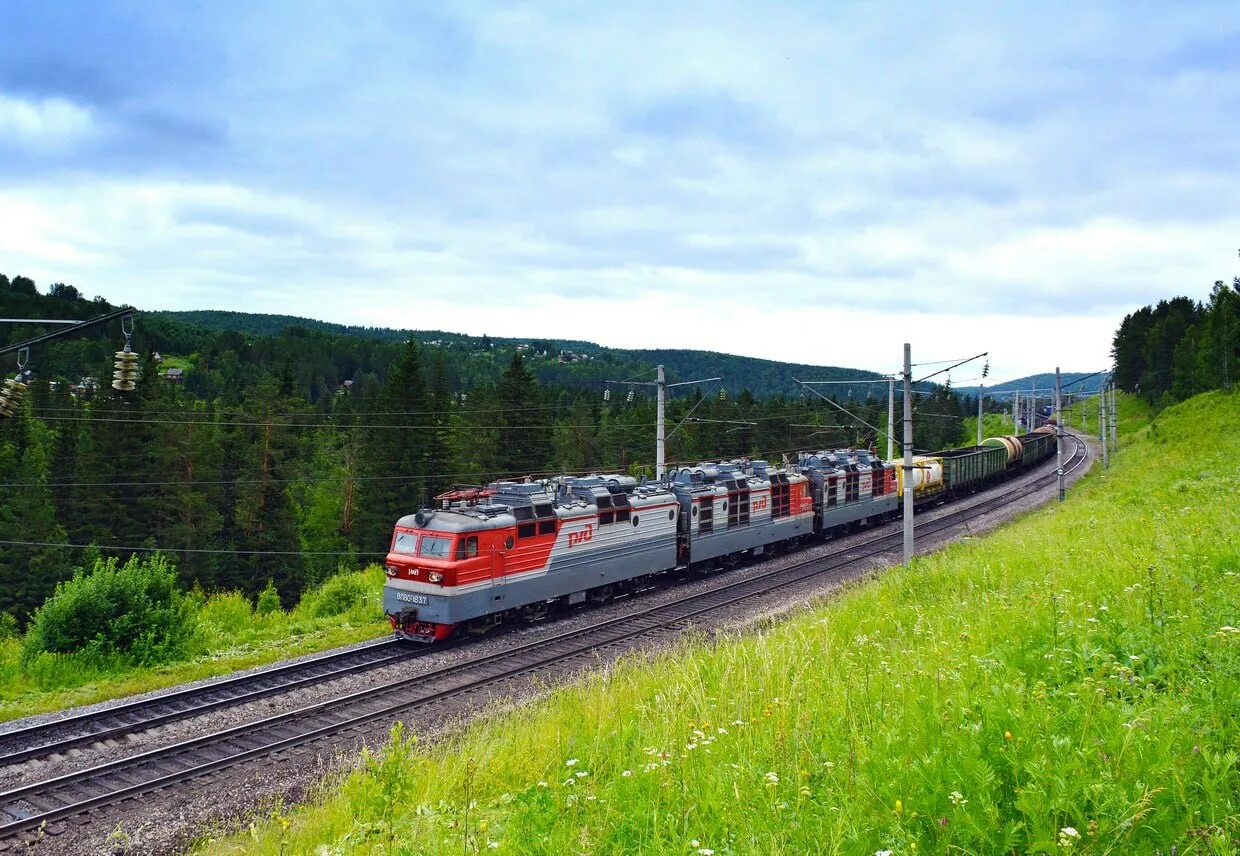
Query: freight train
[(516, 551)]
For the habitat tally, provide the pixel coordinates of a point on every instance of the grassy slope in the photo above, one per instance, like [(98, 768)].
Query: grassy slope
[(1076, 670), (230, 637)]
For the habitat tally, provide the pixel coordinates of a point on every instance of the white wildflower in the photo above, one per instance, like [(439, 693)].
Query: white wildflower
[(957, 798), (627, 773), (571, 762), (581, 774)]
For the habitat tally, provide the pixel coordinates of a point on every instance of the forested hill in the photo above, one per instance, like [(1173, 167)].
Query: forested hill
[(275, 454), (573, 360), (1040, 382)]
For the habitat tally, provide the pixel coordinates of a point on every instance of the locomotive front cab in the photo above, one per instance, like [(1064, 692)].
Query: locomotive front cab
[(438, 563)]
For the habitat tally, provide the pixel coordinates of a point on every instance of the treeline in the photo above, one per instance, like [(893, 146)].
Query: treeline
[(280, 458), (1179, 347)]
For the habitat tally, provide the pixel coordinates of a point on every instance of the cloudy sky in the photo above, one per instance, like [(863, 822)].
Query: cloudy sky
[(816, 182)]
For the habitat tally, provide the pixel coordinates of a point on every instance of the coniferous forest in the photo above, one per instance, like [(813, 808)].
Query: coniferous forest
[(1178, 348), (276, 457)]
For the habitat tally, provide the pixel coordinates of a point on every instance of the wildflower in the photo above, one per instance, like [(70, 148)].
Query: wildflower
[(1067, 837), (721, 730), (695, 843), (899, 807), (772, 779), (571, 762), (627, 773), (482, 826), (543, 785), (581, 774), (1007, 735), (494, 845), (705, 851), (738, 722), (957, 798), (882, 853)]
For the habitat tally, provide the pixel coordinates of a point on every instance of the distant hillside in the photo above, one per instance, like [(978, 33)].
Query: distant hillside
[(1041, 382), (581, 360)]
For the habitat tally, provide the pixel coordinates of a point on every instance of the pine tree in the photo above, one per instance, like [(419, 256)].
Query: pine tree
[(524, 439), (395, 456)]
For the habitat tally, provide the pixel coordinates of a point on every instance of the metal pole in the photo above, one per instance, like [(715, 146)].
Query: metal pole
[(1058, 436), (908, 452), (1016, 412), (980, 392), (891, 419), (1114, 418), (1102, 425), (660, 443)]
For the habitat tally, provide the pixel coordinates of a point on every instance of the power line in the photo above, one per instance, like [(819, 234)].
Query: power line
[(129, 549)]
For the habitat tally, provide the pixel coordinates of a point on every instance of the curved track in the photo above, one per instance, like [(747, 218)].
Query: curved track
[(35, 805)]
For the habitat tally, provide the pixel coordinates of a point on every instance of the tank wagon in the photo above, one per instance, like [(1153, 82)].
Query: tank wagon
[(515, 550)]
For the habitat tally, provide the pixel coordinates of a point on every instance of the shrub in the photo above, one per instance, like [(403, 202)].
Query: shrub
[(268, 600), (8, 626), (226, 613), (135, 612), (336, 596)]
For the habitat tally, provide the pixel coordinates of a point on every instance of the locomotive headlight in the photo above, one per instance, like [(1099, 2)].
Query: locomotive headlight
[(435, 577), (391, 570)]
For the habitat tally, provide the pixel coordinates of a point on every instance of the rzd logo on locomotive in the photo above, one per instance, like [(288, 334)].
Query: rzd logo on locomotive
[(575, 538), (759, 504)]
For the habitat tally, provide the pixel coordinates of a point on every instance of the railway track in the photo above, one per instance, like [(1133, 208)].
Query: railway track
[(41, 805), (60, 735)]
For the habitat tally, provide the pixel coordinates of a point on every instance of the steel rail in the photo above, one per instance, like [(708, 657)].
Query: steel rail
[(104, 784), (22, 744)]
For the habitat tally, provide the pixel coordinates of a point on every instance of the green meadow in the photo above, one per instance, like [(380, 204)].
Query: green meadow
[(216, 634), (1068, 684)]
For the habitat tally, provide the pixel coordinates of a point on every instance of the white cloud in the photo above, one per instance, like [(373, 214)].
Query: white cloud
[(46, 124)]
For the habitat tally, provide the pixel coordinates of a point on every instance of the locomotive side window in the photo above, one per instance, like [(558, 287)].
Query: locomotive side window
[(467, 548), (526, 530), (622, 515), (546, 527), (406, 543)]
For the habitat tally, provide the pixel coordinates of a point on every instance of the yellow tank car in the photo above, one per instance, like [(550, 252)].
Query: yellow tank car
[(927, 476)]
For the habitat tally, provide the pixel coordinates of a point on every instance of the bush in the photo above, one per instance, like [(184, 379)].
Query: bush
[(8, 626), (135, 612), (268, 600), (336, 596), (226, 613)]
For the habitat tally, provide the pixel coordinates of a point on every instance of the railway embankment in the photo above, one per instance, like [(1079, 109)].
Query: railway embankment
[(1065, 684)]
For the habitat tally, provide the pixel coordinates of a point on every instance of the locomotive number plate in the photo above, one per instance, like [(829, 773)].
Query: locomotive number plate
[(413, 598)]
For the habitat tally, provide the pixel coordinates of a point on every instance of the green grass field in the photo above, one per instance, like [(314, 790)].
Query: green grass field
[(1069, 684), (230, 634)]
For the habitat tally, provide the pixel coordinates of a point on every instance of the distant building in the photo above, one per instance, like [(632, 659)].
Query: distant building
[(174, 375)]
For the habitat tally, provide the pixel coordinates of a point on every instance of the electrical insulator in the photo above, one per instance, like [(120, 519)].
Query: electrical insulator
[(723, 394), (629, 397), (126, 373), (11, 397), (986, 369), (607, 395)]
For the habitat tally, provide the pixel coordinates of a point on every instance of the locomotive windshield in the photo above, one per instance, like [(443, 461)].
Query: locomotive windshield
[(435, 548), (405, 543)]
